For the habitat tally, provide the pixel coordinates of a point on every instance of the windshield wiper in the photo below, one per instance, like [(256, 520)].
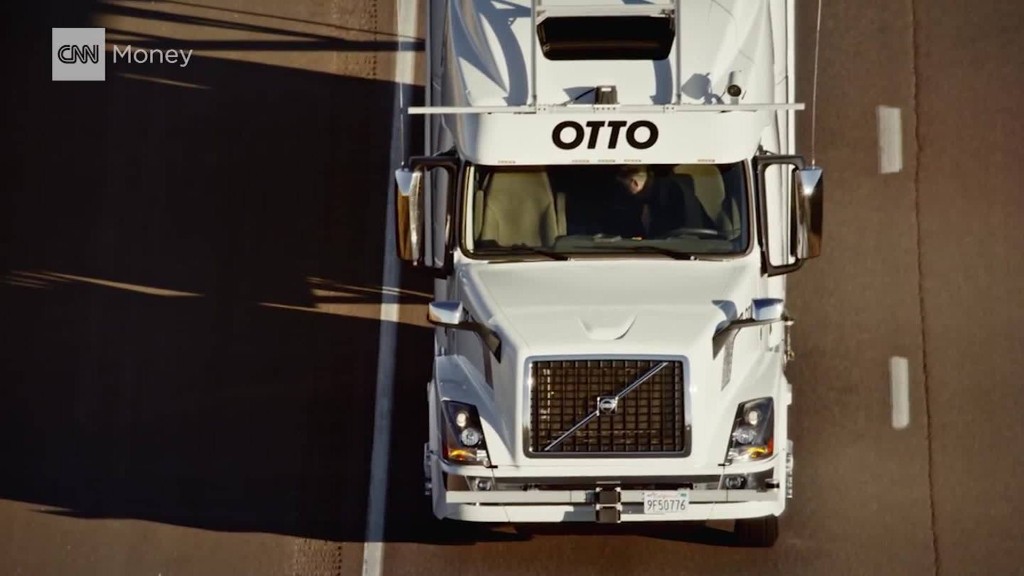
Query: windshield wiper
[(530, 250), (675, 255)]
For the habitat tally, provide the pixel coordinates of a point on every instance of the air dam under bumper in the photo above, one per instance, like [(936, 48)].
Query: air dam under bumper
[(608, 502)]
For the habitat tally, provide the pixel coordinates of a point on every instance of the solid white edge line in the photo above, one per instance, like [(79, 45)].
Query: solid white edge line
[(899, 388), (890, 140), (376, 505)]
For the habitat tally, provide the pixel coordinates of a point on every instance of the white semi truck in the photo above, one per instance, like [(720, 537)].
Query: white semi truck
[(610, 205)]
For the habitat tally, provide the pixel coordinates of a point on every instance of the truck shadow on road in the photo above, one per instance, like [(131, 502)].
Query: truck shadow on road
[(691, 532), (189, 288), (431, 531)]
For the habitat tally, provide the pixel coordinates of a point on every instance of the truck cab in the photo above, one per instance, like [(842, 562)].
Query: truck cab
[(610, 205)]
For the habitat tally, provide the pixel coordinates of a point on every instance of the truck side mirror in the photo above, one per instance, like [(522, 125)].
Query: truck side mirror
[(409, 221), (764, 312), (767, 309), (452, 314), (449, 314), (413, 210), (790, 210), (809, 188)]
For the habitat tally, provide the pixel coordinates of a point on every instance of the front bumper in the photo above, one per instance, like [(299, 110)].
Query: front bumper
[(583, 506), (510, 500)]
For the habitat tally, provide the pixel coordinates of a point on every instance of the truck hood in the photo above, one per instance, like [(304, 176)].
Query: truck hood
[(605, 309), (581, 307)]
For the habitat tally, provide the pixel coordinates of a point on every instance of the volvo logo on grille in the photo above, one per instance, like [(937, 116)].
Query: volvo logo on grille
[(607, 404)]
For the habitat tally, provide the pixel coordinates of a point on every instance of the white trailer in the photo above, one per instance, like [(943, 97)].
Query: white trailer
[(610, 207)]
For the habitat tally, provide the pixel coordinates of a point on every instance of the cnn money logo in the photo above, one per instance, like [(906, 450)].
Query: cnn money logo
[(80, 54)]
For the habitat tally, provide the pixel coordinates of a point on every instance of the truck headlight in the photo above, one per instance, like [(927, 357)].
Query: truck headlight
[(463, 436), (470, 437), (753, 431)]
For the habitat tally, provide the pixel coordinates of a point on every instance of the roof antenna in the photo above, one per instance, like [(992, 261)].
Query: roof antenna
[(814, 94)]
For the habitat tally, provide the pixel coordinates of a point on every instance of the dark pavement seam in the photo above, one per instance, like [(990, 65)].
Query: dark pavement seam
[(915, 87)]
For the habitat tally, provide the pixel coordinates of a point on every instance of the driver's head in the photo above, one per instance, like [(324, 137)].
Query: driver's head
[(632, 178)]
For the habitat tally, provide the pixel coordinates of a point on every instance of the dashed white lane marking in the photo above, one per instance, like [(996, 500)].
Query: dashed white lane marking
[(376, 505), (890, 140), (899, 388)]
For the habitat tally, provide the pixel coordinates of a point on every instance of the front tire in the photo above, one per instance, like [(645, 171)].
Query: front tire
[(757, 532)]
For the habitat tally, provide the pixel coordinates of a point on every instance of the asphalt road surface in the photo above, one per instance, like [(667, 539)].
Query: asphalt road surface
[(189, 309)]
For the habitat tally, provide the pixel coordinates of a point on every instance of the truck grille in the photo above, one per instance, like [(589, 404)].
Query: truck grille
[(649, 419)]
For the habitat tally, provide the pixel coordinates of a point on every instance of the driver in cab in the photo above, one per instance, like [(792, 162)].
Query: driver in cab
[(644, 205)]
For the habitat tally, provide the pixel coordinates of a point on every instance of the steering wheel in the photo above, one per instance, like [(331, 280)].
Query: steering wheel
[(685, 231)]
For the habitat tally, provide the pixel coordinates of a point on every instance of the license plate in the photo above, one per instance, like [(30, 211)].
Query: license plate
[(666, 502)]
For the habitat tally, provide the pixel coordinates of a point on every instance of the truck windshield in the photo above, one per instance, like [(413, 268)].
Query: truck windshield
[(681, 210)]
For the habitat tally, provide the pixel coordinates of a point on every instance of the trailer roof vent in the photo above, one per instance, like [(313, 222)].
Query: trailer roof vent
[(606, 37)]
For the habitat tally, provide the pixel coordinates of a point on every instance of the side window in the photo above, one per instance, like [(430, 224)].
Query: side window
[(721, 191), (475, 205), (436, 204), (735, 205)]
